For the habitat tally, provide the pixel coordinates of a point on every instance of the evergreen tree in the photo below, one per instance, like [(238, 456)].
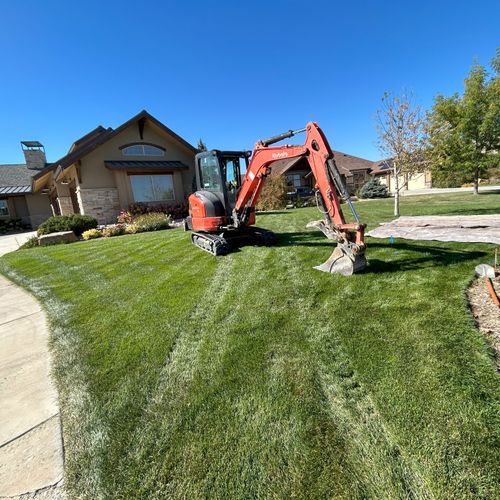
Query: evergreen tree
[(201, 146)]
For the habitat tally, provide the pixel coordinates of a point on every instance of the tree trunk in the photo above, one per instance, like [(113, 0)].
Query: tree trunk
[(396, 193), (476, 182)]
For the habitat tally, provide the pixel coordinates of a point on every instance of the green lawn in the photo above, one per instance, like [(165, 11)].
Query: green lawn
[(255, 376)]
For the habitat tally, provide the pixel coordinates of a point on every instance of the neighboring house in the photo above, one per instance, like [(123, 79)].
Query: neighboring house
[(420, 180), (108, 169), (356, 171), (104, 172), (17, 198)]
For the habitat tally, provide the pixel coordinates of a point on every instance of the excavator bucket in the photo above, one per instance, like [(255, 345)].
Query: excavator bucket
[(341, 262), (344, 259)]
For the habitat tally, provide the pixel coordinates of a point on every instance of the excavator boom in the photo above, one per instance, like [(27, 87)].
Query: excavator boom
[(348, 256)]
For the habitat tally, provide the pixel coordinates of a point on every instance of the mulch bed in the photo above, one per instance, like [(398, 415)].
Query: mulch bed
[(486, 313)]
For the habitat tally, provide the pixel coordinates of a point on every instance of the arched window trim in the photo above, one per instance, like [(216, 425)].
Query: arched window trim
[(125, 146)]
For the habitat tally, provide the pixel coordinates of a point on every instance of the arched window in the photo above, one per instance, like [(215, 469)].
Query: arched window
[(142, 150)]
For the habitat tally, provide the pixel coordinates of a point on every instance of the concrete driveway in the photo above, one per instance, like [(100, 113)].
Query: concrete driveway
[(11, 242)]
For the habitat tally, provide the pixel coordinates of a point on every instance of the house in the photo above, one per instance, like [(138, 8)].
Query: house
[(419, 180), (355, 170), (17, 198), (103, 172), (108, 169)]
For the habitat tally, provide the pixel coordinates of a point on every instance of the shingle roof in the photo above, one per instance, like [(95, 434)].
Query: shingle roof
[(16, 178), (351, 163), (380, 167)]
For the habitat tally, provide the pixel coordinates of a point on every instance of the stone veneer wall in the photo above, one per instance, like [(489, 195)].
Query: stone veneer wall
[(101, 203), (65, 205)]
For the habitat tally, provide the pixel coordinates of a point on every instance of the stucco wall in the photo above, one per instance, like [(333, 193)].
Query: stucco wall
[(39, 208), (416, 181), (32, 209)]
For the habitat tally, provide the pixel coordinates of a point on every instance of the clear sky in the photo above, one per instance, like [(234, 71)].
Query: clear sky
[(229, 72)]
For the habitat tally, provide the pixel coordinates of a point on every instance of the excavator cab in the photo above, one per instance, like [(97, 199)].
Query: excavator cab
[(220, 173), (218, 181)]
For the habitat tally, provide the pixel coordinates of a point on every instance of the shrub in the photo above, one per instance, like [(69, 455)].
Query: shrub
[(115, 230), (125, 217), (178, 211), (152, 221), (132, 229), (273, 195), (74, 222), (31, 243), (91, 234), (11, 225), (373, 189)]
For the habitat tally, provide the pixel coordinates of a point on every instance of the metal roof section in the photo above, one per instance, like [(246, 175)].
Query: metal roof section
[(32, 144), (10, 190)]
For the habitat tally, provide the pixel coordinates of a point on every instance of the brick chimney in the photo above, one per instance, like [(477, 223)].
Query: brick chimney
[(34, 153)]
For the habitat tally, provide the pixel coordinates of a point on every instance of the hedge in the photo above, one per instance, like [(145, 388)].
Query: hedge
[(75, 222)]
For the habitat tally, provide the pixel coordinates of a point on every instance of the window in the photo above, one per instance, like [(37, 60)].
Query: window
[(210, 173), (294, 180), (4, 208), (142, 150), (152, 187)]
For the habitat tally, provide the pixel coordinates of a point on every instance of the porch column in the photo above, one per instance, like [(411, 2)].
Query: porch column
[(64, 199)]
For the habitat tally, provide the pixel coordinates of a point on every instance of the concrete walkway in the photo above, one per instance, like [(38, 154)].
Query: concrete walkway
[(417, 192), (11, 242), (31, 450)]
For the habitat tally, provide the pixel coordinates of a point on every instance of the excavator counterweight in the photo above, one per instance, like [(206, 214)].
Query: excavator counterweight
[(222, 210)]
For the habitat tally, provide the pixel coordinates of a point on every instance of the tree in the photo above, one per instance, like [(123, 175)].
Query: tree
[(464, 131), (201, 146), (373, 189), (401, 133), (274, 193)]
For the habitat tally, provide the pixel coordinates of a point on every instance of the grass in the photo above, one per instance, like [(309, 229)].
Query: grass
[(254, 376)]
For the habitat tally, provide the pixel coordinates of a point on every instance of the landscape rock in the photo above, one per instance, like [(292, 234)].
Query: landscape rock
[(60, 237)]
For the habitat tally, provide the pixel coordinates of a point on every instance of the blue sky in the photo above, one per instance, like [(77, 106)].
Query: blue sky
[(229, 72)]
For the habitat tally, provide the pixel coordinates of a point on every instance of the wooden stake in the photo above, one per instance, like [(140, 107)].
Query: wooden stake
[(493, 294)]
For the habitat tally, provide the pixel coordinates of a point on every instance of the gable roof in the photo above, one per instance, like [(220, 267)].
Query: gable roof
[(382, 166), (351, 163), (99, 136), (16, 178)]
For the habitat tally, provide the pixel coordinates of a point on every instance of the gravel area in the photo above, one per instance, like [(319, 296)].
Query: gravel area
[(486, 313)]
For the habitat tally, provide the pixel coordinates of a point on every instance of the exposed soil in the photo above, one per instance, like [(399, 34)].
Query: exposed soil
[(486, 313)]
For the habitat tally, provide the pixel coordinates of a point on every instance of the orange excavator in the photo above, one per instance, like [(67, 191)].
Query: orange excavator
[(222, 210)]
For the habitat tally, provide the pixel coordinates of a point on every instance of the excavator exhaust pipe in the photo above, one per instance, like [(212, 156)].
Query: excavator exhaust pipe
[(343, 263)]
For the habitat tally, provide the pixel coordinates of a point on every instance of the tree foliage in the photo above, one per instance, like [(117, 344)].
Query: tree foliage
[(373, 189), (401, 132), (273, 195), (464, 131), (201, 146)]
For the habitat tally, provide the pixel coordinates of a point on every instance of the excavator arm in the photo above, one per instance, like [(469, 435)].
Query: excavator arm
[(348, 257)]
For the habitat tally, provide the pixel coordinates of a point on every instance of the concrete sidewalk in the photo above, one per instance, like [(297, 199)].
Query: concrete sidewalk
[(31, 451)]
